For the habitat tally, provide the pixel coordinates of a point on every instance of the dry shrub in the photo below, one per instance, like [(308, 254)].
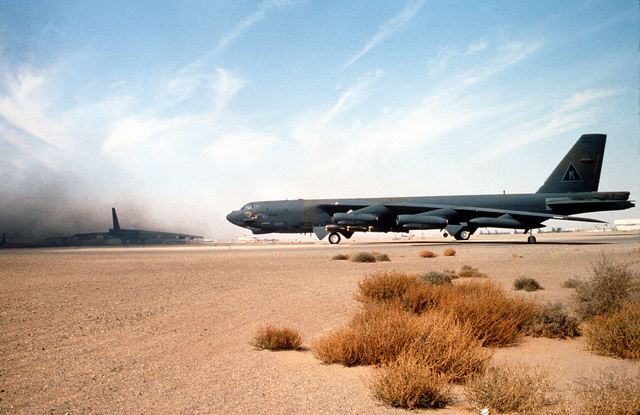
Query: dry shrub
[(363, 257), (552, 322), (380, 334), (445, 351), (382, 258), (449, 252), (610, 393), (384, 286), (571, 283), (467, 271), (407, 383), (448, 346), (509, 389), (436, 278), (616, 333), (609, 287), (427, 254), (423, 297), (496, 319), (375, 335), (527, 284), (340, 257), (277, 338)]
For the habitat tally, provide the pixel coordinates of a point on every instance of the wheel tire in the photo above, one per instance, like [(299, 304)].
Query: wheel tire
[(531, 239), (334, 238), (462, 235)]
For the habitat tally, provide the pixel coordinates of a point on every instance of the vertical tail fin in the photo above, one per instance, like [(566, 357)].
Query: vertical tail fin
[(579, 170), (116, 224)]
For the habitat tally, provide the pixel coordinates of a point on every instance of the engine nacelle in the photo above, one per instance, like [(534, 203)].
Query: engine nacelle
[(354, 219), (421, 221)]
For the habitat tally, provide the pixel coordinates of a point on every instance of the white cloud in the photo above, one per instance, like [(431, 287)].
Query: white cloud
[(27, 107), (128, 133), (580, 99), (241, 148)]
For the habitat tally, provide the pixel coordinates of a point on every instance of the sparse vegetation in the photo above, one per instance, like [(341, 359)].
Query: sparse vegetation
[(495, 318), (381, 333), (551, 321), (382, 258), (436, 278), (408, 383), (616, 333), (467, 271), (448, 347), (277, 338), (340, 257), (509, 389), (363, 257), (375, 335), (610, 393), (527, 284), (384, 286), (449, 252), (571, 283), (427, 254), (610, 286)]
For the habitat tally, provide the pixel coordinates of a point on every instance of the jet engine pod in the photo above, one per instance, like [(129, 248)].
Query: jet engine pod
[(421, 221), (354, 219)]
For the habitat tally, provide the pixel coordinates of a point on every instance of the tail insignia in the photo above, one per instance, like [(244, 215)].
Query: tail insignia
[(571, 175)]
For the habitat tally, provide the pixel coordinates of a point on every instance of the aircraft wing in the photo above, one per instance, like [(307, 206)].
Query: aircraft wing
[(411, 215), (169, 235), (482, 211)]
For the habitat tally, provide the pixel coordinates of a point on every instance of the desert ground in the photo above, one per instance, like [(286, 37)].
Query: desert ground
[(136, 330)]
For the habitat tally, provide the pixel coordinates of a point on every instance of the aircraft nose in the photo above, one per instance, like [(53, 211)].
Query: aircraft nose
[(235, 217)]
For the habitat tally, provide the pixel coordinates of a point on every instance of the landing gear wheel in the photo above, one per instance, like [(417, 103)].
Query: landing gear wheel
[(531, 239), (462, 235), (334, 238)]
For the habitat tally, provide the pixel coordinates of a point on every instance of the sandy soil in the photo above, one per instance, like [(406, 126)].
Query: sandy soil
[(167, 330)]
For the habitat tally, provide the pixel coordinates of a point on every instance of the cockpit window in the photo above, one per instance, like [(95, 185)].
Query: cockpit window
[(249, 206)]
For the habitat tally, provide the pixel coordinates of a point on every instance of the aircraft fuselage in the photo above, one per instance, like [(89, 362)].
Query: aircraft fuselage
[(572, 188)]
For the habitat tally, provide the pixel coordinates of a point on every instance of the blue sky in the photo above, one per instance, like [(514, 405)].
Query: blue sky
[(177, 112)]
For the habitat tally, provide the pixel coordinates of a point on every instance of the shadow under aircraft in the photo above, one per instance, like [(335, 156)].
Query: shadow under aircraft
[(120, 236), (572, 188)]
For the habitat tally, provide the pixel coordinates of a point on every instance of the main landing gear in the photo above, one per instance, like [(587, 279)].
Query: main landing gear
[(334, 238), (462, 235), (531, 239)]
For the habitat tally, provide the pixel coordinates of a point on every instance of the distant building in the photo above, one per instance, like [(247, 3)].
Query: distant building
[(246, 238), (627, 225)]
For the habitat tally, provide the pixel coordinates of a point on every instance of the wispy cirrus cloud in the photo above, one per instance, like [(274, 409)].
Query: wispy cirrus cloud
[(26, 105), (314, 130), (572, 113), (247, 22), (164, 120), (387, 29)]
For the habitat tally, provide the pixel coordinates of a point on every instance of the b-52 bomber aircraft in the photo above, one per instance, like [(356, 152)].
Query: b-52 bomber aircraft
[(572, 188), (125, 236)]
